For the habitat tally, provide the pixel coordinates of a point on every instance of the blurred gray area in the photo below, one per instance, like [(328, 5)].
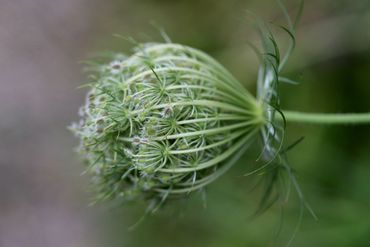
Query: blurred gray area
[(42, 199)]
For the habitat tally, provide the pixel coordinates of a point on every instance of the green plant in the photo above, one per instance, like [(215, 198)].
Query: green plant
[(169, 120), (164, 122)]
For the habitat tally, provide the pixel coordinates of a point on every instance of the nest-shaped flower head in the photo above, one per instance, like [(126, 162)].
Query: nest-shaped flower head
[(162, 122)]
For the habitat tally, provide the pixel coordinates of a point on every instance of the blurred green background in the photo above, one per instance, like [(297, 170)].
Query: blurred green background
[(44, 200)]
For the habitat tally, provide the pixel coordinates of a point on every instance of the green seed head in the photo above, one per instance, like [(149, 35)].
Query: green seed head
[(162, 122)]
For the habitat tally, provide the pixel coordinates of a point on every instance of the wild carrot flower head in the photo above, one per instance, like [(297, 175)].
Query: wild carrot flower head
[(163, 122)]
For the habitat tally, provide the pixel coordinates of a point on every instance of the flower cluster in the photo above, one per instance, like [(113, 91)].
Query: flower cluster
[(163, 122)]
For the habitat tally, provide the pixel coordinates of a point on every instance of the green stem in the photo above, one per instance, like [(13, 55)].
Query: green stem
[(327, 118)]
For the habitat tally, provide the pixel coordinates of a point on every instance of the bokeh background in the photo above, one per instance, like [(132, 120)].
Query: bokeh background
[(44, 201)]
